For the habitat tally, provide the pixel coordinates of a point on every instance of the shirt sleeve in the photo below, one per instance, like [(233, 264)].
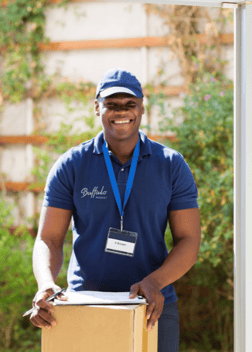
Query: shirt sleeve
[(184, 190), (59, 184)]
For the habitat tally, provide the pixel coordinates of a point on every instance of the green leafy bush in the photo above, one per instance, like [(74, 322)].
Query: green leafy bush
[(205, 139), (204, 130), (17, 284)]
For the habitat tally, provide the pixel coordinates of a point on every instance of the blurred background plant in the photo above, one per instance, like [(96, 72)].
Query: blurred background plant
[(204, 136), (18, 284)]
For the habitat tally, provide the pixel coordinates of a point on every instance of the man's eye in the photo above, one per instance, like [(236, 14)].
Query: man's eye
[(115, 106)]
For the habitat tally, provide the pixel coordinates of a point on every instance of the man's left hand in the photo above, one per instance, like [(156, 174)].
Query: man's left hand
[(155, 299)]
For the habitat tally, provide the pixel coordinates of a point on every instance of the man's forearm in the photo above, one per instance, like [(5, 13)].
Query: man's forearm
[(179, 260), (47, 262)]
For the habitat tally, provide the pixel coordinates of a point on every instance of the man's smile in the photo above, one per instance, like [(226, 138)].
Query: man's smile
[(121, 122)]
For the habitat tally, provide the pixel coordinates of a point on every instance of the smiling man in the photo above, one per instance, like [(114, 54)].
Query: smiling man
[(120, 189)]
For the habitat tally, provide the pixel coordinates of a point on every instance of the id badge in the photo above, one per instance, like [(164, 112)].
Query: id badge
[(121, 242)]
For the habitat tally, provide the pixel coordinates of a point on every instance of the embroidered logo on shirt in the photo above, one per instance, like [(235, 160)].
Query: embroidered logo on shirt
[(95, 193)]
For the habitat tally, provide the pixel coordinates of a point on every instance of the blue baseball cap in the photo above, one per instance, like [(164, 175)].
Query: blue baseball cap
[(118, 80)]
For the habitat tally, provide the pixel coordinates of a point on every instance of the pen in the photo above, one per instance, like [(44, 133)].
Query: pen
[(47, 300)]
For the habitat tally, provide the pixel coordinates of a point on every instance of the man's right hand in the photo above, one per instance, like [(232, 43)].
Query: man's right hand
[(42, 316)]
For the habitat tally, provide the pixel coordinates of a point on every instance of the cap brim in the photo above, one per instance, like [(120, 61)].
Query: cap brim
[(113, 90)]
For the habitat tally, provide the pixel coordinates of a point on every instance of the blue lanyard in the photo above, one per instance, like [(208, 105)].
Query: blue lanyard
[(113, 179)]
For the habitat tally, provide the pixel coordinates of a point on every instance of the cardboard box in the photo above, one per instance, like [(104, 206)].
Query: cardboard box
[(100, 328)]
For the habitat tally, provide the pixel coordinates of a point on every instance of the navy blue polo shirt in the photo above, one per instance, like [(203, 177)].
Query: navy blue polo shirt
[(79, 181)]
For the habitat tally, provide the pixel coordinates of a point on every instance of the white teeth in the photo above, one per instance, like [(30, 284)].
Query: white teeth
[(125, 121)]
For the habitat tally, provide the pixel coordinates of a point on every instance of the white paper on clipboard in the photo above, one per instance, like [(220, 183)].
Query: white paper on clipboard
[(98, 297)]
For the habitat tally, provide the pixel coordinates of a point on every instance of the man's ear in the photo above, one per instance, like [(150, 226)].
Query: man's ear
[(97, 108)]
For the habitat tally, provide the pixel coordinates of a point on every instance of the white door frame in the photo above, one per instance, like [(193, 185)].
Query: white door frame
[(243, 179)]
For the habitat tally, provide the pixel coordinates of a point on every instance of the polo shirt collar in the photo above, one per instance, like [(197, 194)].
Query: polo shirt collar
[(145, 146)]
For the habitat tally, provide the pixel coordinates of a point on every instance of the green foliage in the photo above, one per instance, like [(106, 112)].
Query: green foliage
[(22, 25), (205, 141), (204, 130), (17, 282), (21, 31), (79, 91), (18, 285)]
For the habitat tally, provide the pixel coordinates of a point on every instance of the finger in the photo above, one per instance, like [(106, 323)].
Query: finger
[(48, 306), (149, 309), (134, 289), (155, 301), (62, 298), (47, 317), (40, 322), (155, 314)]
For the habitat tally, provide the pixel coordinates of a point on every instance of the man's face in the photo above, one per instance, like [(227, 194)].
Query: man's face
[(120, 115)]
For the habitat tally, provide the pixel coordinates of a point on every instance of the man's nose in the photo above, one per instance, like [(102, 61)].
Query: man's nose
[(121, 108)]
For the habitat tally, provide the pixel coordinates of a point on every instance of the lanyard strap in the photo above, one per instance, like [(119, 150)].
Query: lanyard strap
[(113, 179)]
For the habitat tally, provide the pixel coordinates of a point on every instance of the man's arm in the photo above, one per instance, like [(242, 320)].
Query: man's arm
[(48, 260), (186, 233)]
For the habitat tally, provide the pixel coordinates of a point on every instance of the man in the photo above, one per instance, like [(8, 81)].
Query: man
[(120, 189)]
